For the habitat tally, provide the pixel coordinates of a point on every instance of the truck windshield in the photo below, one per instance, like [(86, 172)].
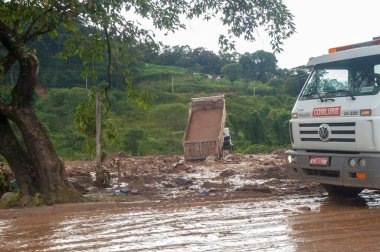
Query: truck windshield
[(355, 77)]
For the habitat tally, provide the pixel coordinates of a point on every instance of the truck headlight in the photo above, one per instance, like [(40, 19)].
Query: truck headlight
[(361, 163), (290, 159), (352, 162)]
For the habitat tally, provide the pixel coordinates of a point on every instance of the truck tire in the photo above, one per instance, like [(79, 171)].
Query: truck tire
[(343, 191)]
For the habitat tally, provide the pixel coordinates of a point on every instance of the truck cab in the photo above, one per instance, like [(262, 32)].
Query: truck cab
[(335, 123)]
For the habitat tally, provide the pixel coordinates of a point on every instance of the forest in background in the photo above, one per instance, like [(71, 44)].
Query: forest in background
[(151, 92)]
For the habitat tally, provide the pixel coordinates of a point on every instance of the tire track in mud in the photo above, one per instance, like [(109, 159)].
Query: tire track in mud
[(295, 223)]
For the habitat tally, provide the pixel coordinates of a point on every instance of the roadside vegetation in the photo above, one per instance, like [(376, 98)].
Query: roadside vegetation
[(148, 107), (257, 112), (151, 117)]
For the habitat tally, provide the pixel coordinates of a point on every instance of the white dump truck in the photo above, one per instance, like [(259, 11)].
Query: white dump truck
[(335, 124)]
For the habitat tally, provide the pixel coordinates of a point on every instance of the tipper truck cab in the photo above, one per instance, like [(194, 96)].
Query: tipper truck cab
[(335, 123)]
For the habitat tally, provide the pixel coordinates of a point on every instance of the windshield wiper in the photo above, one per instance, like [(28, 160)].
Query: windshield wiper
[(313, 94), (343, 90)]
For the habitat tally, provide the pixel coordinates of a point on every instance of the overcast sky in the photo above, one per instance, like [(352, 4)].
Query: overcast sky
[(320, 25)]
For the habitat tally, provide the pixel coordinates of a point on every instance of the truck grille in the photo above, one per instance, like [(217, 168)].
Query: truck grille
[(339, 132)]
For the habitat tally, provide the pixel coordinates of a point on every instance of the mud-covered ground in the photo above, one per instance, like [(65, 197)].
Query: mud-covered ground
[(171, 178), (240, 203)]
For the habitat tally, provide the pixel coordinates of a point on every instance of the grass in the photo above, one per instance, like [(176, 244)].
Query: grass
[(151, 71)]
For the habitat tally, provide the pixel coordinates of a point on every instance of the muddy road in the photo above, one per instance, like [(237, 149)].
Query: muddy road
[(242, 203), (295, 223)]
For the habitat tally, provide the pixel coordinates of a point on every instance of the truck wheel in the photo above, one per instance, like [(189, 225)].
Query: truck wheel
[(345, 191)]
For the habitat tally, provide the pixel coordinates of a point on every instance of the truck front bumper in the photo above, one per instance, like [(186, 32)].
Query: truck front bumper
[(353, 170)]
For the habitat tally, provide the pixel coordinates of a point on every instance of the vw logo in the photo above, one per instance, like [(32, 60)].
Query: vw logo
[(324, 132)]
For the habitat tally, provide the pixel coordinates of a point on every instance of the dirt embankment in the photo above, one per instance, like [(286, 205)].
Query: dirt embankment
[(171, 178)]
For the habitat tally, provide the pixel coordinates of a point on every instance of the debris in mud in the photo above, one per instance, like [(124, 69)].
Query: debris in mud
[(227, 173), (183, 181), (91, 189), (169, 177), (180, 165), (204, 192), (210, 185), (125, 190), (304, 208), (228, 157), (211, 159), (255, 188)]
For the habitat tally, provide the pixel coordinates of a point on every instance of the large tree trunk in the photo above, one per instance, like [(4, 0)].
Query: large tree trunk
[(37, 167), (49, 171), (18, 157)]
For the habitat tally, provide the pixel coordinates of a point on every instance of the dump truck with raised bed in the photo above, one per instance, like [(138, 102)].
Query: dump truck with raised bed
[(335, 124), (204, 134)]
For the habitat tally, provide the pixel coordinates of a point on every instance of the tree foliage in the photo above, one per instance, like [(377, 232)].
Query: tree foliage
[(134, 137), (85, 118), (232, 71), (198, 59), (259, 65)]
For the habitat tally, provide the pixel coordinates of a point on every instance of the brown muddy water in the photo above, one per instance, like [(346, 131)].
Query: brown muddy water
[(293, 223)]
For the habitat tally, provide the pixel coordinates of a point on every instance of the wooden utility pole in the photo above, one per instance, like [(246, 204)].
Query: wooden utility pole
[(98, 131), (86, 81), (172, 85)]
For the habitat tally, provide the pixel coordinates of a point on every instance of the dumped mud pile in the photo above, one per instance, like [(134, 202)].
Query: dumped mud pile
[(170, 177)]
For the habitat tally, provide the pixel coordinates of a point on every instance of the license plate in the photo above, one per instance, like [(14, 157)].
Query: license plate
[(319, 161)]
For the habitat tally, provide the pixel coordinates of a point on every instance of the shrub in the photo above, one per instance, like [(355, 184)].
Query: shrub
[(256, 148)]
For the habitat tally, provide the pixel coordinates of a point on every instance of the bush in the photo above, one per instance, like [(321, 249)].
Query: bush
[(10, 199), (134, 137), (256, 148)]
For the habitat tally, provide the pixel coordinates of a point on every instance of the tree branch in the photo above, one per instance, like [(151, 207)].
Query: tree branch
[(9, 40), (109, 52), (27, 35), (6, 64), (22, 93), (5, 110)]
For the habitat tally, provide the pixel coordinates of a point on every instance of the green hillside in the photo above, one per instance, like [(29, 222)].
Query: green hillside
[(258, 122)]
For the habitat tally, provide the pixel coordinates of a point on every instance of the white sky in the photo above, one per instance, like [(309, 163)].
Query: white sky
[(320, 24)]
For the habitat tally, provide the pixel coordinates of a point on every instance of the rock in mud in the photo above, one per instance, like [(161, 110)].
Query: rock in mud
[(183, 181), (92, 189), (227, 173), (255, 188), (180, 166), (125, 190), (304, 208), (203, 192)]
